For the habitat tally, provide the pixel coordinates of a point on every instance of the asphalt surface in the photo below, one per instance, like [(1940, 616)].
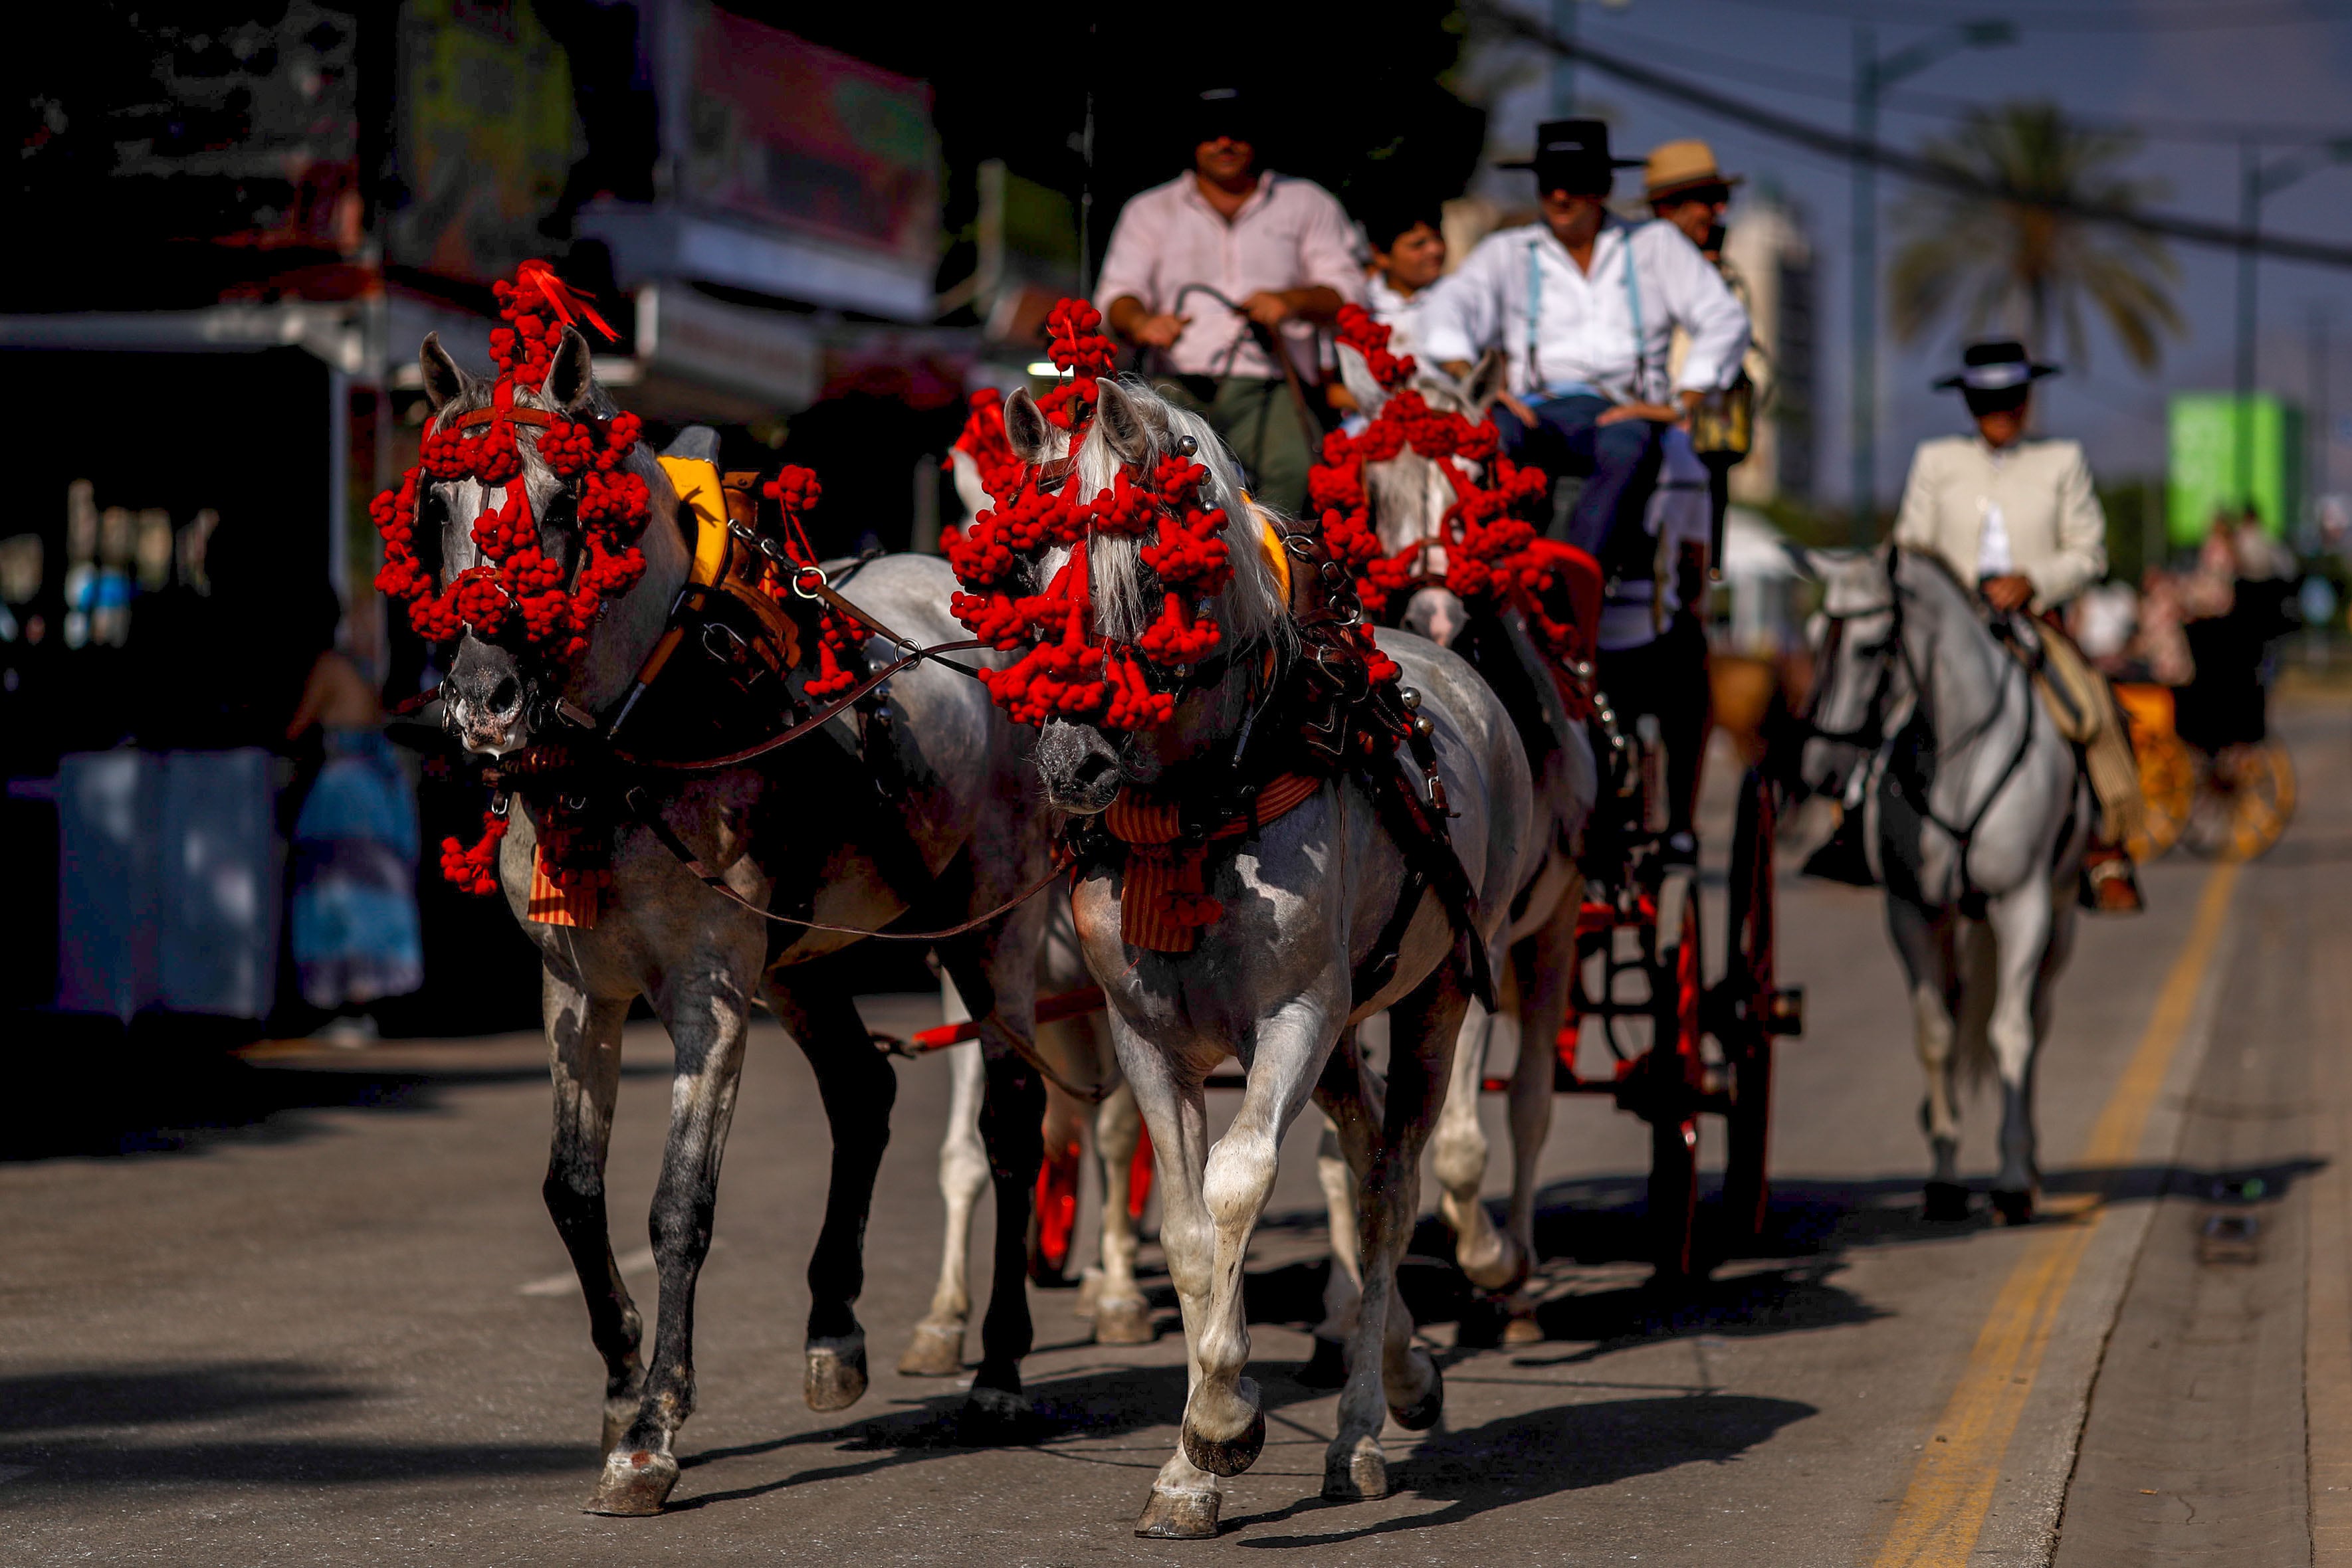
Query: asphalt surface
[(337, 1327)]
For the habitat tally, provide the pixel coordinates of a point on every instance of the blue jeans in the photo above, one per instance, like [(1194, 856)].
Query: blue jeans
[(1620, 465)]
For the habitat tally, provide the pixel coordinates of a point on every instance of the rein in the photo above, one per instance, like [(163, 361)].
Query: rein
[(1871, 734)]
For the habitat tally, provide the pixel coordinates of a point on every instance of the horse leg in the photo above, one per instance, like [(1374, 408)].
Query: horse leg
[(583, 1049), (1121, 1314), (937, 1349), (1458, 1160), (1384, 1128), (707, 1015), (1926, 966), (2020, 922), (1184, 1498), (857, 1087), (995, 970), (1546, 981), (1343, 1290), (1224, 1419)]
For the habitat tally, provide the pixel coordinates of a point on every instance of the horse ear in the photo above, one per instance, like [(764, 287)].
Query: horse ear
[(445, 382), (1025, 429), (1485, 382), (1123, 422), (1357, 377), (570, 381)]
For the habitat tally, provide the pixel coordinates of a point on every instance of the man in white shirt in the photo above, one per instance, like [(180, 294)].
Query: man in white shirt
[(1280, 249), (1585, 305)]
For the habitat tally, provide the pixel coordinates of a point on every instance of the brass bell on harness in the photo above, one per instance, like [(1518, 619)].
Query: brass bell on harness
[(1421, 727), (1411, 697)]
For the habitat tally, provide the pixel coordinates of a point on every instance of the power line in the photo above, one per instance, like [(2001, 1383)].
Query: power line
[(2238, 13), (1910, 165), (1934, 105)]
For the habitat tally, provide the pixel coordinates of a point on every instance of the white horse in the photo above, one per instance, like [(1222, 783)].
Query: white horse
[(1409, 496), (1308, 899), (1974, 816), (704, 956)]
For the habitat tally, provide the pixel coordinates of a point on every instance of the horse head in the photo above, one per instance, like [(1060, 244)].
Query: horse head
[(1084, 764), (1409, 494), (496, 696), (1861, 686)]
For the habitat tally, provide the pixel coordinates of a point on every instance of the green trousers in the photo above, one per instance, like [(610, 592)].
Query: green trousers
[(1257, 419)]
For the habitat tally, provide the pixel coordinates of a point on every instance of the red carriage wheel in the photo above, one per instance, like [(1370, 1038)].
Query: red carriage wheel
[(1753, 1016), (1676, 1071)]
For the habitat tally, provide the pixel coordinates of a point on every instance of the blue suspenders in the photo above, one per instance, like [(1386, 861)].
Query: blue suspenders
[(1534, 310)]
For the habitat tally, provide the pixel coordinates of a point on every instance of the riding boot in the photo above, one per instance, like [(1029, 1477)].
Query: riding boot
[(2110, 883)]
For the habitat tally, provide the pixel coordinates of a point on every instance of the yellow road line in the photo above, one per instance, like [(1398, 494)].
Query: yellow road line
[(1943, 1512)]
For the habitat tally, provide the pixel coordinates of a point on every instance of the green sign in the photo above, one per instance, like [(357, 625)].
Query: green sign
[(2227, 452)]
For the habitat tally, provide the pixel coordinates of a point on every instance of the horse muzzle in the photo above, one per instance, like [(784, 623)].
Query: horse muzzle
[(485, 701), (1080, 768)]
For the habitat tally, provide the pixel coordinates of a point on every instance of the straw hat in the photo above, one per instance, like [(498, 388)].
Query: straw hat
[(1676, 166)]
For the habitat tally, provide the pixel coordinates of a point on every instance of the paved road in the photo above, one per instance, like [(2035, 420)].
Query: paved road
[(321, 1335)]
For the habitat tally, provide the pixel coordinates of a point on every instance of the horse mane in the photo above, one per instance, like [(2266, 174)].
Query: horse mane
[(1253, 608), (540, 479), (1897, 554)]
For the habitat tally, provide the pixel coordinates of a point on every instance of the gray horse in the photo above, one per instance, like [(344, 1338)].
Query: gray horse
[(805, 832), (1306, 898), (1974, 818), (1410, 497)]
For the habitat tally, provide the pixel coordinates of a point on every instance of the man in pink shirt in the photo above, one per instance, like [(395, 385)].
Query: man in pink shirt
[(1278, 248)]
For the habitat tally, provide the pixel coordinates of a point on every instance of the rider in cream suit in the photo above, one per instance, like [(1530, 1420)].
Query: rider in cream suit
[(2019, 520)]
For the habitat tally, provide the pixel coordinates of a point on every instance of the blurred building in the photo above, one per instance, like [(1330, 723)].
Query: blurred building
[(1768, 245), (268, 209)]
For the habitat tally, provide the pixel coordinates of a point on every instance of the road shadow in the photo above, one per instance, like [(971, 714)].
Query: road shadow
[(92, 1088), (1524, 1458), (97, 1429)]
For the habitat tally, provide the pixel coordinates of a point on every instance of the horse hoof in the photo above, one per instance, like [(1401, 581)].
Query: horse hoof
[(1494, 1271), (1359, 1473), (1946, 1201), (1178, 1515), (1328, 1367), (1229, 1456), (937, 1351), (994, 1419), (1423, 1412), (1522, 1328), (1126, 1321), (2014, 1207), (634, 1483), (837, 1372)]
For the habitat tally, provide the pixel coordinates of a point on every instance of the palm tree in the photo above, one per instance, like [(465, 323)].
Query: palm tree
[(1994, 257)]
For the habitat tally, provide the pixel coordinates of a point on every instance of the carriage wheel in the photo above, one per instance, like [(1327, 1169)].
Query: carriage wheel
[(2245, 799), (2168, 788), (1676, 981), (1749, 982)]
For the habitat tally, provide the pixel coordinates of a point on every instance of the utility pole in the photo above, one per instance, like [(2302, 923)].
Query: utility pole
[(1563, 65), (1873, 74), (2257, 183)]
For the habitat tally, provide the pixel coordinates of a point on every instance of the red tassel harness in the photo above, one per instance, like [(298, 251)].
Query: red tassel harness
[(1067, 668), (518, 595), (1488, 535)]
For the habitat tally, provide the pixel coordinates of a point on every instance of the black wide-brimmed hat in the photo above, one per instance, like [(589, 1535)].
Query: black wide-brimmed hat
[(1225, 111), (1570, 153), (1996, 366)]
